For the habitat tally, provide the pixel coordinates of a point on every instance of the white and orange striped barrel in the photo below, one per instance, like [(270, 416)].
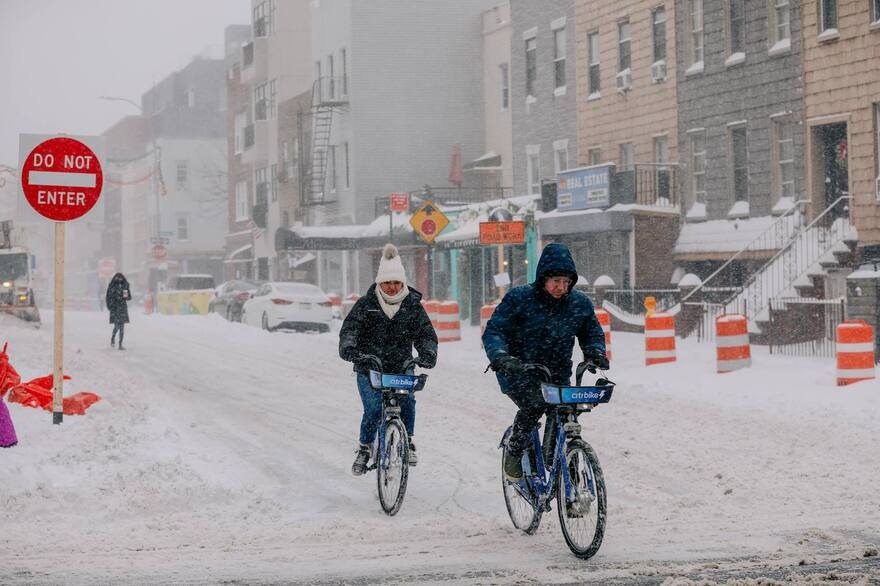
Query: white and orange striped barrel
[(732, 348), (448, 322), (335, 299), (855, 352), (659, 338), (605, 321), (432, 307)]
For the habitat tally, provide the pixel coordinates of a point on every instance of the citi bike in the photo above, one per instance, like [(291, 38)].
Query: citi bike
[(573, 476), (391, 450)]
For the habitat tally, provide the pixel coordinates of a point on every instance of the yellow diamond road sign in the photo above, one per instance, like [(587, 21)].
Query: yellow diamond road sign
[(428, 221)]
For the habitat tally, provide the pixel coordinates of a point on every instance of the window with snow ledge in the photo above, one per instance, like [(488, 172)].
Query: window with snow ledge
[(697, 213), (735, 59), (783, 205), (739, 210), (830, 34), (694, 69), (783, 46), (594, 96)]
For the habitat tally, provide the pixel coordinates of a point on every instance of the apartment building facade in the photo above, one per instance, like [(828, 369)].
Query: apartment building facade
[(841, 52)]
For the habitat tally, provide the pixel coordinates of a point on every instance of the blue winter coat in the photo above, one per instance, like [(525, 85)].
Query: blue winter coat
[(534, 327)]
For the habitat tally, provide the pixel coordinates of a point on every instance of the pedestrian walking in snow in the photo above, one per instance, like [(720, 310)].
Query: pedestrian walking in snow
[(387, 322), (117, 298), (537, 323)]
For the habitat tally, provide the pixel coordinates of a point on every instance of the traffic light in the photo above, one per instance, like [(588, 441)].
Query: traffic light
[(548, 196)]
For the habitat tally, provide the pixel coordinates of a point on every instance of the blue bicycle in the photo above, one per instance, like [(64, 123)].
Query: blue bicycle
[(391, 452), (574, 477)]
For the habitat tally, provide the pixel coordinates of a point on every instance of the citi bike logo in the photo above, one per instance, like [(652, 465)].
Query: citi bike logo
[(587, 396), (404, 382)]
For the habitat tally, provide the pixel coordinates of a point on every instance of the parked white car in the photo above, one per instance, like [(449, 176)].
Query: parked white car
[(294, 306)]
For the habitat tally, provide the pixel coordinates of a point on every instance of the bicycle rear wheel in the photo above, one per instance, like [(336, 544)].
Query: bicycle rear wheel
[(582, 514), (392, 468), (524, 516)]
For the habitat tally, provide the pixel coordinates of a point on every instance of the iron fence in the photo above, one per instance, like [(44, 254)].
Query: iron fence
[(804, 327)]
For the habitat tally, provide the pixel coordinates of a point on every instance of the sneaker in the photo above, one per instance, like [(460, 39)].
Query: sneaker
[(360, 460), (513, 466), (120, 346), (413, 457), (113, 343)]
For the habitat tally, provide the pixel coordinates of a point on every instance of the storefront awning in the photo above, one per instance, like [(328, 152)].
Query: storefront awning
[(584, 221), (242, 254)]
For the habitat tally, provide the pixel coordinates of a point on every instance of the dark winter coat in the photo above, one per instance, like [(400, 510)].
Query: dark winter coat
[(367, 330), (118, 295), (531, 325)]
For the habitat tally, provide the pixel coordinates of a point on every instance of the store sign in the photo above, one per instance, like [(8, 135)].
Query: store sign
[(503, 232), (585, 188)]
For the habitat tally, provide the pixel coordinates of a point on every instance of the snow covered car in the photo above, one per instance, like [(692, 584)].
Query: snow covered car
[(230, 298), (293, 306)]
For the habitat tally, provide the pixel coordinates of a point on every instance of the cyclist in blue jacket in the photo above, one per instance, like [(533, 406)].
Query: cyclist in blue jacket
[(537, 323)]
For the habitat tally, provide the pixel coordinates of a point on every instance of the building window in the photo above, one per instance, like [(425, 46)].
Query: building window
[(533, 168), (736, 25), (739, 163), (626, 156), (331, 167), (264, 18), (191, 98), (698, 165), (531, 65), (560, 155), (658, 18), (343, 62), (260, 102), (261, 182), (780, 21), (241, 201), (559, 56), (594, 157), (182, 174), (347, 168), (505, 85), (784, 158), (661, 151), (827, 15), (623, 46), (240, 123), (270, 100), (273, 186), (182, 227), (593, 50), (875, 11), (696, 31)]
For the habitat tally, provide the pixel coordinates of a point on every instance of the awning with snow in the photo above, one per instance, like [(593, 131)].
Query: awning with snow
[(242, 254), (354, 237)]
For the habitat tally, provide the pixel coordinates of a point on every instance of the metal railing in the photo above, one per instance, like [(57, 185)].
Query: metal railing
[(459, 195), (646, 184), (804, 327)]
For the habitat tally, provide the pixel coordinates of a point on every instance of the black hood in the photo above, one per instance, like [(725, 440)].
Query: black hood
[(556, 258)]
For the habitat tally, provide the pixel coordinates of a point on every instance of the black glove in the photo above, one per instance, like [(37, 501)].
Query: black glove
[(597, 358), (508, 365), (365, 362), (426, 361)]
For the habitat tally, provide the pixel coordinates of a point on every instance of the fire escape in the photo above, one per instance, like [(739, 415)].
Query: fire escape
[(329, 97)]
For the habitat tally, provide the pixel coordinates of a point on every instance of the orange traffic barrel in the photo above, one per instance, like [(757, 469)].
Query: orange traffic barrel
[(335, 299), (486, 312), (448, 323), (605, 321), (659, 338), (732, 342), (855, 352), (432, 307)]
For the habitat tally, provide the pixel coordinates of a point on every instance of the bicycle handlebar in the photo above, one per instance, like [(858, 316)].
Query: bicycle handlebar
[(377, 362), (544, 373)]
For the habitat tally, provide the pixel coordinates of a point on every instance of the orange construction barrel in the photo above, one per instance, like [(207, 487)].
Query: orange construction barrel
[(732, 342), (605, 321), (855, 352), (448, 322), (432, 307), (659, 338)]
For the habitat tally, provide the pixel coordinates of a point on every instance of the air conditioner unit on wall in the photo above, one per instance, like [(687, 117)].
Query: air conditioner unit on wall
[(624, 81), (658, 71)]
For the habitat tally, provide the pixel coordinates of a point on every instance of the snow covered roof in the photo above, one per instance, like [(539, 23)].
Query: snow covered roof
[(721, 236)]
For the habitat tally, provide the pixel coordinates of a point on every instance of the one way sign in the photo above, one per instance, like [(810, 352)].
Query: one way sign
[(428, 221)]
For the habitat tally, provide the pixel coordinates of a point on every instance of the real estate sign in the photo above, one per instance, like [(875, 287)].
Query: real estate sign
[(584, 188)]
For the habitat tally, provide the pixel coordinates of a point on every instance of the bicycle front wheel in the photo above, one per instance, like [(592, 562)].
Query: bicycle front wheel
[(524, 516), (582, 509), (393, 466)]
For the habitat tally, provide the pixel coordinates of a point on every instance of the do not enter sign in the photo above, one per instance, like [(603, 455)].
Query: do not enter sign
[(62, 179)]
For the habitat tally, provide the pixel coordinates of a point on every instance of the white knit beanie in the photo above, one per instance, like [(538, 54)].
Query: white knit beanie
[(390, 266)]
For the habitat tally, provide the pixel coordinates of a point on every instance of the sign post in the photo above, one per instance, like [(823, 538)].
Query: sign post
[(61, 179)]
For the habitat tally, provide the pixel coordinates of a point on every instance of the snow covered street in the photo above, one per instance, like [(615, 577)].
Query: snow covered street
[(222, 453)]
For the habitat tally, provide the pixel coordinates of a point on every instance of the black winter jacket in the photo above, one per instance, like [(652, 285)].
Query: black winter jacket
[(531, 325), (367, 330), (118, 295)]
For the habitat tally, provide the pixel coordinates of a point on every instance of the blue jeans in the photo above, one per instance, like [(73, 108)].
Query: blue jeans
[(372, 400)]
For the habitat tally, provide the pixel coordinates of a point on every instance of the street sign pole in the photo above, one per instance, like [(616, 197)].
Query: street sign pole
[(58, 372), (430, 271)]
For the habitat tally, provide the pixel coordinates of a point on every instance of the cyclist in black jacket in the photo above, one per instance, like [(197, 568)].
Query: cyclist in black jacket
[(386, 323)]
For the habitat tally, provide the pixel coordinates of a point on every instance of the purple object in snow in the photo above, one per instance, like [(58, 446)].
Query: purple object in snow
[(7, 430)]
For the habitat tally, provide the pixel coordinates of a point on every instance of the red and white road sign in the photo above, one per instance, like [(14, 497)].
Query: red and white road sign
[(159, 252), (106, 267), (400, 202), (62, 179)]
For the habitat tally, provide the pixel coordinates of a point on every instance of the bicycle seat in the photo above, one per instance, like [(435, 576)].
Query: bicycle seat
[(397, 382)]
